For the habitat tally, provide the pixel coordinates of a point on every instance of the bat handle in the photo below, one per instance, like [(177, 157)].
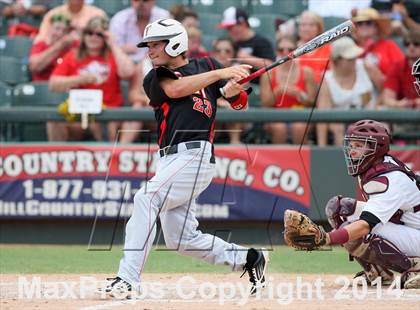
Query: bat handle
[(253, 75)]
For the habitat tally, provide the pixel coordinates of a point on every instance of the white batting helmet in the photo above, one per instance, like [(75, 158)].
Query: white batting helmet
[(167, 30)]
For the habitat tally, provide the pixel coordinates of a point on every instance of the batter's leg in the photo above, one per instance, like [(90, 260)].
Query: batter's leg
[(179, 227)]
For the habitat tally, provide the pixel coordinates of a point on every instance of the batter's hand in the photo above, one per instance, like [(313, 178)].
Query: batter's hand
[(232, 88), (236, 72)]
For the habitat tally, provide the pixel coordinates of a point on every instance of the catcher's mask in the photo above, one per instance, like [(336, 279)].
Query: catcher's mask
[(415, 71), (365, 142)]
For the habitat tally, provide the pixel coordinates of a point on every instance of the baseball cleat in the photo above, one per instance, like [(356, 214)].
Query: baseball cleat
[(256, 265), (118, 288), (411, 279)]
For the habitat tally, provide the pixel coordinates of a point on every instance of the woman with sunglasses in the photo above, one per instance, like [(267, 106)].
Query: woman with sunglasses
[(98, 63), (370, 34), (288, 86)]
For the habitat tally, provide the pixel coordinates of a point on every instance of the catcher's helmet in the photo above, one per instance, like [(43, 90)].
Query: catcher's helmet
[(415, 71), (365, 142), (169, 30)]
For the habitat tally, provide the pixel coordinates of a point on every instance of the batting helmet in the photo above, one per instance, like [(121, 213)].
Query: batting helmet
[(415, 71), (365, 142), (167, 30)]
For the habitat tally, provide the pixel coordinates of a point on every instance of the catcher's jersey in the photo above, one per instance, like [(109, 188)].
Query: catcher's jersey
[(188, 118), (400, 193)]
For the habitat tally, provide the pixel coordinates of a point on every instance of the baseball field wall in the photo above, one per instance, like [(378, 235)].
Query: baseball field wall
[(72, 193)]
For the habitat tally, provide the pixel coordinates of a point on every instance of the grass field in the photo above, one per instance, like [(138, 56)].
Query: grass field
[(77, 259)]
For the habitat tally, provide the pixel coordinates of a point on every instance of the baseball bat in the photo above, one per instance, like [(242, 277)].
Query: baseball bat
[(321, 40)]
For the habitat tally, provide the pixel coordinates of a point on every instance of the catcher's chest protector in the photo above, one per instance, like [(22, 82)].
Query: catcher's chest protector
[(371, 182), (372, 174)]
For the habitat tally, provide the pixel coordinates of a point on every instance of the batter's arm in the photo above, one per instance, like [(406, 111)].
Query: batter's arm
[(188, 85)]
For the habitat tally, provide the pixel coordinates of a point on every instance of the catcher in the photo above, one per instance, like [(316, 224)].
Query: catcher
[(383, 233)]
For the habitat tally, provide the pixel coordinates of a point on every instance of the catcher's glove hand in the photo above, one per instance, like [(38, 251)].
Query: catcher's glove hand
[(301, 233)]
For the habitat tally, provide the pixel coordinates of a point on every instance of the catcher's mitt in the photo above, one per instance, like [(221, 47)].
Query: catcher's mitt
[(301, 233)]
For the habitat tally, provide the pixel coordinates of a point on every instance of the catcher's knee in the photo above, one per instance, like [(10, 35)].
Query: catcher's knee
[(379, 251)]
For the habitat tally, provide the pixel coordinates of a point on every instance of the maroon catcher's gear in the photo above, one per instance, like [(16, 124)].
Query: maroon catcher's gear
[(370, 272), (376, 250), (374, 137), (338, 208)]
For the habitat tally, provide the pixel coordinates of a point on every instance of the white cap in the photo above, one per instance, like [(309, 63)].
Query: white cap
[(233, 16), (345, 48)]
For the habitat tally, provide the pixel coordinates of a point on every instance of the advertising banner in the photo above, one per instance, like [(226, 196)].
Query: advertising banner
[(87, 181)]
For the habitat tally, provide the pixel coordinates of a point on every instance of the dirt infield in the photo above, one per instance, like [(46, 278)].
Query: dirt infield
[(201, 291)]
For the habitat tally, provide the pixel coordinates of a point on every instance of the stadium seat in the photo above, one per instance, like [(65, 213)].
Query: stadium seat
[(17, 47), (6, 95), (208, 24), (207, 41), (13, 70), (111, 6), (264, 25), (254, 100), (284, 7), (124, 89), (36, 94), (168, 4), (203, 7)]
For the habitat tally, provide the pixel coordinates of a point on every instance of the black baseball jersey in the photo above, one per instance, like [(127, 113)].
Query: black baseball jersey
[(188, 118)]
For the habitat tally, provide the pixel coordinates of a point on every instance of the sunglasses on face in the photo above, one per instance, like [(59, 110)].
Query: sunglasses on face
[(285, 49), (366, 23), (408, 43), (223, 50), (93, 33)]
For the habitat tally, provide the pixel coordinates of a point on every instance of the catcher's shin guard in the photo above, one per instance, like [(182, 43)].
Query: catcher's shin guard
[(371, 272), (376, 250)]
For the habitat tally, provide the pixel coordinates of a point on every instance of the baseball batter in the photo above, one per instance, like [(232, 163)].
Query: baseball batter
[(383, 233), (183, 94)]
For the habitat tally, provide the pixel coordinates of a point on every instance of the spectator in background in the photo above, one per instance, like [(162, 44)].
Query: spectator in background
[(190, 19), (370, 34), (195, 47), (128, 26), (19, 8), (408, 13), (23, 16), (254, 50), (224, 51), (78, 11), (399, 91), (348, 85), (46, 54), (310, 26), (185, 15), (289, 86), (98, 63)]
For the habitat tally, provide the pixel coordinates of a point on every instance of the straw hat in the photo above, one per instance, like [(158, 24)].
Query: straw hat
[(370, 14)]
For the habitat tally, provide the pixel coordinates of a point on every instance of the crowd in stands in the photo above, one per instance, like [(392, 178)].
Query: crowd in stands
[(78, 44)]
